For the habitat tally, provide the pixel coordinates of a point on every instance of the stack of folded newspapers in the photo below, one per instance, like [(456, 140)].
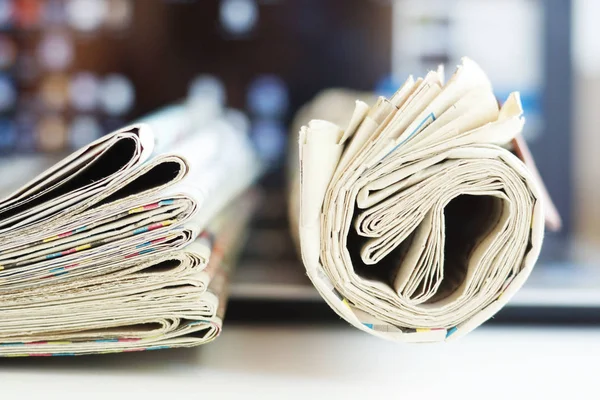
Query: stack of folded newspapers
[(422, 216), (126, 244)]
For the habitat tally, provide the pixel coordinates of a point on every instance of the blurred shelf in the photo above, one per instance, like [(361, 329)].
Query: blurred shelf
[(561, 285)]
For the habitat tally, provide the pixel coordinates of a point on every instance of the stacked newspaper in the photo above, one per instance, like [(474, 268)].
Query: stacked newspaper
[(125, 245), (416, 221)]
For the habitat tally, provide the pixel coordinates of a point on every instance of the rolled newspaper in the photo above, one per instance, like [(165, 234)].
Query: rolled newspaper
[(416, 222)]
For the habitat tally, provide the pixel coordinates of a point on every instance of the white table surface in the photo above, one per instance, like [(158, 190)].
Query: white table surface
[(318, 362)]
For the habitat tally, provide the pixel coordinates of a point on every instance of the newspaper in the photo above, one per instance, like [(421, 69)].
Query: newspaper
[(416, 222), (118, 247), (175, 300)]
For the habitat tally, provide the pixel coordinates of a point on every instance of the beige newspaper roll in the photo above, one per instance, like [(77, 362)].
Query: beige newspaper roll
[(416, 223)]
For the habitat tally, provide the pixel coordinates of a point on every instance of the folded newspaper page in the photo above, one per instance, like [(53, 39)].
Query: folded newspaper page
[(175, 300), (416, 222), (110, 249)]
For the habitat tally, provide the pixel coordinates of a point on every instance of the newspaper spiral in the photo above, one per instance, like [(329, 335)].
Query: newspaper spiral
[(416, 222)]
